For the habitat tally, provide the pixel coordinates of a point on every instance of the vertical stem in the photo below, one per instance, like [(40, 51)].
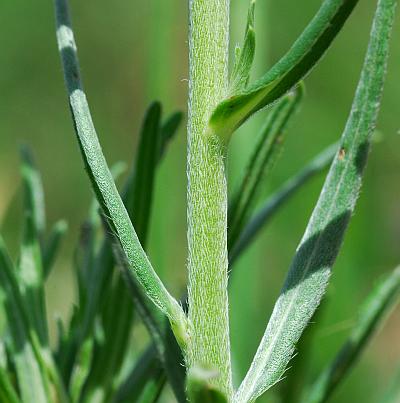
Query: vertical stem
[(207, 192)]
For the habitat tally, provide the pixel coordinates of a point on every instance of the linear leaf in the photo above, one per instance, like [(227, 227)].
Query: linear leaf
[(168, 130), (33, 188), (244, 60), (7, 391), (372, 314), (139, 200), (30, 268), (52, 245), (289, 70), (137, 197), (167, 349), (139, 265), (144, 382), (32, 382), (278, 199), (311, 267), (265, 154)]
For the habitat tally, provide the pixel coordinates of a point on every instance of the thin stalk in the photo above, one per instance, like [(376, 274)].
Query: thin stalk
[(207, 192)]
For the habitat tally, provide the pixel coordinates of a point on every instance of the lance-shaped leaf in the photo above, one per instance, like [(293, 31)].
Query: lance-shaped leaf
[(244, 58), (265, 154), (32, 381), (311, 267), (109, 199), (287, 72), (278, 199), (372, 314)]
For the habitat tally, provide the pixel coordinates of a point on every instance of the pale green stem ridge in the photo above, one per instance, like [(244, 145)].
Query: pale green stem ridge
[(309, 273), (209, 344), (139, 265)]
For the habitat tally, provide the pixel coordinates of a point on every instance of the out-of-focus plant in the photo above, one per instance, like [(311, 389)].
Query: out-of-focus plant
[(190, 341)]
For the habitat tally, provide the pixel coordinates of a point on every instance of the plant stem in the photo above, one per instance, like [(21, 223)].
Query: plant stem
[(207, 192)]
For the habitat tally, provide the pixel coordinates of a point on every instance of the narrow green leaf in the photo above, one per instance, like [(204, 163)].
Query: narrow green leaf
[(30, 276), (145, 381), (7, 391), (278, 200), (33, 188), (52, 246), (262, 217), (244, 58), (166, 346), (310, 270), (372, 314), (139, 265), (32, 382), (81, 370), (265, 154), (137, 197), (168, 130), (287, 72), (139, 200), (200, 389)]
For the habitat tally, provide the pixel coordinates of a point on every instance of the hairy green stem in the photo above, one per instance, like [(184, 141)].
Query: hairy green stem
[(207, 192)]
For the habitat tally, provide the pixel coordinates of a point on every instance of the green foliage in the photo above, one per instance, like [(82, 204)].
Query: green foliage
[(311, 267), (373, 311), (286, 73), (117, 286)]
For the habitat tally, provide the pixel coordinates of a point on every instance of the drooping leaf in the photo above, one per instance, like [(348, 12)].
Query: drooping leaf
[(262, 160), (372, 314), (108, 197), (311, 267), (287, 72), (278, 199)]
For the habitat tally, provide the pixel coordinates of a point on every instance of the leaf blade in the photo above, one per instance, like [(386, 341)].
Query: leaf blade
[(290, 69), (102, 181), (380, 301), (310, 270)]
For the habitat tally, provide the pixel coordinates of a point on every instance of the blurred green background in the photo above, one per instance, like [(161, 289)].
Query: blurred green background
[(132, 52)]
